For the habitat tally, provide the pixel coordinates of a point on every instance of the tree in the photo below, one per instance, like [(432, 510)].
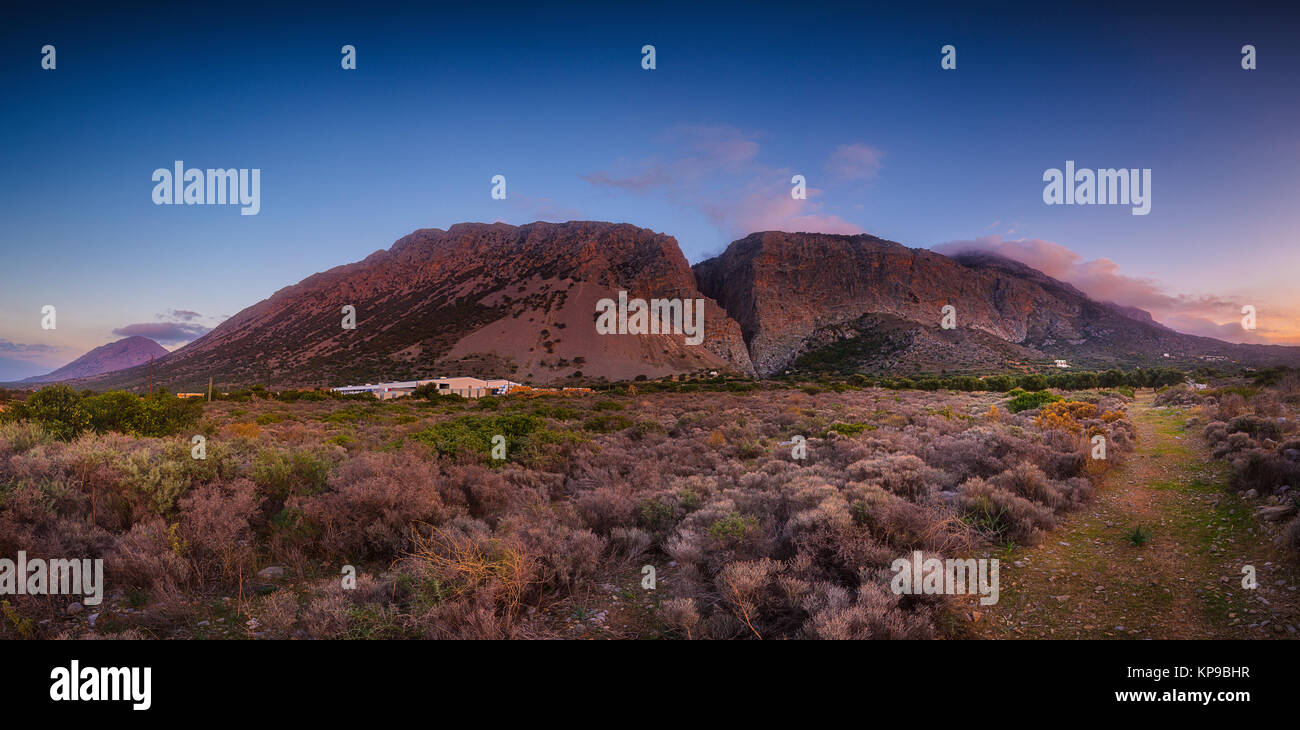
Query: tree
[(1033, 382), (1111, 378), (999, 383)]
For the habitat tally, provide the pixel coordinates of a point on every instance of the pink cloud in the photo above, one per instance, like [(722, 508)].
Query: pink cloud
[(1101, 279), (774, 210), (715, 170)]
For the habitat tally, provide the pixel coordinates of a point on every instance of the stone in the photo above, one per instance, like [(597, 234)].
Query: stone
[(1275, 513)]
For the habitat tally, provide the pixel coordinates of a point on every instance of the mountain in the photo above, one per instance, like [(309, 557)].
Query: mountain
[(495, 300), (863, 303), (126, 352), (489, 300)]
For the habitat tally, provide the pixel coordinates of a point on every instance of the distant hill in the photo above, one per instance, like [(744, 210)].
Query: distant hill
[(124, 353)]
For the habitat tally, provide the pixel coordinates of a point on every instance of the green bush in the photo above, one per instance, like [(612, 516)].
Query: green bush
[(163, 415), (999, 383), (473, 434), (1028, 401), (286, 472), (849, 429), (115, 410), (1033, 382), (606, 423), (56, 408), (733, 528)]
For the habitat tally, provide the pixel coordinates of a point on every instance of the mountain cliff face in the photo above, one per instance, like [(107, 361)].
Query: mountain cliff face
[(489, 300), (125, 353), (878, 305)]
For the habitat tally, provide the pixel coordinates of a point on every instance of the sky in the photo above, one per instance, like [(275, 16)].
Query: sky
[(553, 97)]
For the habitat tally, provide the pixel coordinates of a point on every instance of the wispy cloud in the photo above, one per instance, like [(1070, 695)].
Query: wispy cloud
[(174, 327), (164, 333), (854, 162), (18, 348), (1207, 315), (716, 170)]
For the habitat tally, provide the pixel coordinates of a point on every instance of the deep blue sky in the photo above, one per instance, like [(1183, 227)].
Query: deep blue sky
[(553, 96)]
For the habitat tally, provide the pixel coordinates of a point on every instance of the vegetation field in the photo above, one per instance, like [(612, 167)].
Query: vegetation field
[(760, 510)]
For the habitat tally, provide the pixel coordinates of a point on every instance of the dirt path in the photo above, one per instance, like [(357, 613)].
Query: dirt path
[(1087, 579)]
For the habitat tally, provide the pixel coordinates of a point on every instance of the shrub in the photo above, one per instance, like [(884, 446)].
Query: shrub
[(1256, 426), (849, 429), (56, 408), (1262, 471), (681, 615), (286, 472), (372, 501), (1290, 537), (1029, 401), (903, 474), (1001, 514), (732, 528), (876, 612), (606, 423), (115, 410), (1065, 415), (22, 436), (1034, 382), (472, 434), (163, 415), (431, 393), (1215, 431), (1138, 536), (215, 530)]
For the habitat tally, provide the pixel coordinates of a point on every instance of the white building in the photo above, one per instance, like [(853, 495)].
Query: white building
[(464, 387), (1062, 364)]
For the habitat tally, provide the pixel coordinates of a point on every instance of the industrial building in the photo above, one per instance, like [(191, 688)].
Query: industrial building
[(464, 387)]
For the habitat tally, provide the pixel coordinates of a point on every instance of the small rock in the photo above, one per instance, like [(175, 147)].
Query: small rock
[(1276, 513), (75, 608), (92, 618), (273, 572)]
